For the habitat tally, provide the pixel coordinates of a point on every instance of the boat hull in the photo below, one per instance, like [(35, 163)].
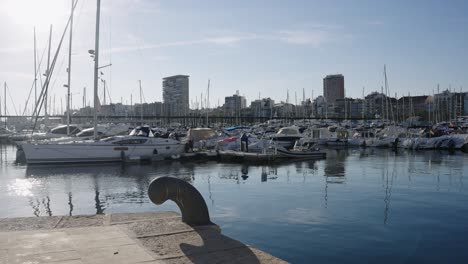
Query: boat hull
[(89, 153), (302, 155)]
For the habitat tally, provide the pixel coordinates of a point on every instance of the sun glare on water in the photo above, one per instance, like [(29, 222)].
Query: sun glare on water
[(36, 12)]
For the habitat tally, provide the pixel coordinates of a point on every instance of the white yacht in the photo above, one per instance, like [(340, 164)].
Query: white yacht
[(140, 144), (287, 136)]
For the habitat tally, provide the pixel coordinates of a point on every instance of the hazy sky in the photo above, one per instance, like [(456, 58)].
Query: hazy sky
[(255, 47)]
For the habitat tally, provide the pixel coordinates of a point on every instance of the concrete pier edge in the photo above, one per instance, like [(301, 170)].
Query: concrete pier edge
[(154, 237)]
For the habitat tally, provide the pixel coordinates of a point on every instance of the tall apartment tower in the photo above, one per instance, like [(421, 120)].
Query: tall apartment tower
[(333, 88), (233, 104), (176, 95)]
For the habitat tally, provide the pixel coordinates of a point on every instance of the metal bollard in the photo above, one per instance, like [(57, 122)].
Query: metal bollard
[(188, 199)]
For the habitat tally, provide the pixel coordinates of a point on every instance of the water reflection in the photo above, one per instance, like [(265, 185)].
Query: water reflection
[(336, 162), (111, 184), (342, 204), (388, 194), (70, 204)]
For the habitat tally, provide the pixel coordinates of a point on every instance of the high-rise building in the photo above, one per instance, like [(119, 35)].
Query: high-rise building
[(262, 107), (176, 95), (233, 104), (333, 88)]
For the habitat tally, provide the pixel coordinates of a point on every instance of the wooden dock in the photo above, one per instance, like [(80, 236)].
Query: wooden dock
[(120, 238)]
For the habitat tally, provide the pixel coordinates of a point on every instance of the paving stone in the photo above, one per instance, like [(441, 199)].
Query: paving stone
[(4, 240), (196, 242), (29, 223), (66, 262), (106, 242), (123, 218), (29, 243), (81, 221), (116, 255), (244, 255), (43, 258), (158, 226), (3, 256), (151, 238), (94, 233)]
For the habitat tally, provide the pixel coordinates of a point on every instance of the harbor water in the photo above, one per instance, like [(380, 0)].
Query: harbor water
[(357, 206)]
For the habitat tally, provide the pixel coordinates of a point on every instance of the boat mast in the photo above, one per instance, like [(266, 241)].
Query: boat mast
[(96, 67), (141, 104), (46, 115), (4, 103), (69, 67), (208, 102), (35, 68)]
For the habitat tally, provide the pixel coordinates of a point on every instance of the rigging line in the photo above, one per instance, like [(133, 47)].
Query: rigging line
[(49, 74), (59, 69), (143, 94), (108, 93), (12, 102), (38, 70), (45, 86)]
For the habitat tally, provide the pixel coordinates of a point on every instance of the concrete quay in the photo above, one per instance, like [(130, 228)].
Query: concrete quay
[(150, 238)]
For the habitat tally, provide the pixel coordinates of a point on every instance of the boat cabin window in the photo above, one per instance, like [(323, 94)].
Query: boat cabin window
[(62, 130), (288, 131), (88, 133), (132, 141)]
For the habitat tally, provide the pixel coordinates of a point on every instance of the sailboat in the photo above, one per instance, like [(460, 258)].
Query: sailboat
[(140, 144)]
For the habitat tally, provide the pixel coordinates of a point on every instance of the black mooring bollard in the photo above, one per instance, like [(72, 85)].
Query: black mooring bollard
[(191, 203)]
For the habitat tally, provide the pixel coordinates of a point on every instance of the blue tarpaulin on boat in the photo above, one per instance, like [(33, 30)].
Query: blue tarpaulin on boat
[(236, 127)]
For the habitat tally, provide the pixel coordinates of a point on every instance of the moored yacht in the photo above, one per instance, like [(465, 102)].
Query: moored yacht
[(287, 136), (140, 144)]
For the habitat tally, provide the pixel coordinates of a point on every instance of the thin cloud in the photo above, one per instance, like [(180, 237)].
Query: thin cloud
[(314, 38), (221, 40), (296, 37)]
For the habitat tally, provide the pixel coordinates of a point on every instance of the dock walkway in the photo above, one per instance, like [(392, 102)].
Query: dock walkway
[(120, 238)]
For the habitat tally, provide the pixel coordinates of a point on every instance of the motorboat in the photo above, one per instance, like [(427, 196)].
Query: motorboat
[(301, 154), (286, 136)]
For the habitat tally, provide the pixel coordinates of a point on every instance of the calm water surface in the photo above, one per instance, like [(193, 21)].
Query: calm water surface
[(357, 206)]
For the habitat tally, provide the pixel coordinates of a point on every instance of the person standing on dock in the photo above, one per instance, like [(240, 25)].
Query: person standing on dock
[(245, 142)]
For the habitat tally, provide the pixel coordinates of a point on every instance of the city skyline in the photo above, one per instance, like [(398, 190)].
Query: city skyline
[(252, 47)]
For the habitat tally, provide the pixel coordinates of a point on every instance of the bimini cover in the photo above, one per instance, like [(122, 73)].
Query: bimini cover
[(197, 134)]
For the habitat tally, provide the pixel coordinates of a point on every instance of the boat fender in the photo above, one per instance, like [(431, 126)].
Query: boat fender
[(188, 199)]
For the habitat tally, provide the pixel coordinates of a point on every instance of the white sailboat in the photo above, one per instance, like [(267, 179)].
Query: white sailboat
[(140, 144), (136, 146)]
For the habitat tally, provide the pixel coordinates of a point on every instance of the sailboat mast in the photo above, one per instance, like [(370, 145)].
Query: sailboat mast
[(35, 68), (96, 66), (69, 67), (208, 102), (141, 104), (4, 103), (46, 115)]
